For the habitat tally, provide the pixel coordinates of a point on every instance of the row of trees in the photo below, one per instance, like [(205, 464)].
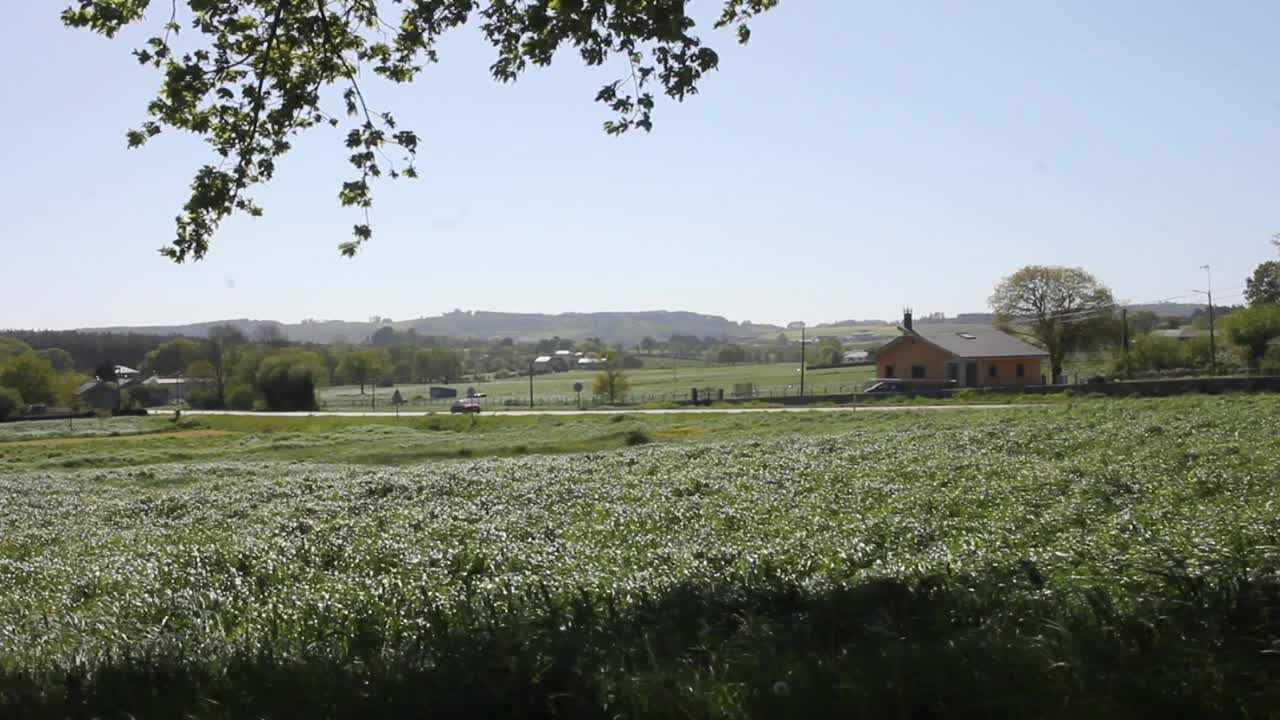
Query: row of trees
[(76, 349), (34, 377)]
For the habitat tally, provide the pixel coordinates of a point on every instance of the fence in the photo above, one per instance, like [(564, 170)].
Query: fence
[(790, 394), (382, 401)]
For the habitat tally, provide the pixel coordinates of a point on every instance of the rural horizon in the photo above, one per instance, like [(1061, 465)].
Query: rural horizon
[(1173, 307)]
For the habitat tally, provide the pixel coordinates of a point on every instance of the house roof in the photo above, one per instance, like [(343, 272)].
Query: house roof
[(542, 359), (978, 341), (157, 380), (125, 370), (92, 384)]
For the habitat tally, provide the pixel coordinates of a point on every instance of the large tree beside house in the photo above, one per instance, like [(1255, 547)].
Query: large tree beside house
[(1059, 308)]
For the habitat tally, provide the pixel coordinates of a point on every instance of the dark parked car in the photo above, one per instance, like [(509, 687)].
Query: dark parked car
[(887, 387)]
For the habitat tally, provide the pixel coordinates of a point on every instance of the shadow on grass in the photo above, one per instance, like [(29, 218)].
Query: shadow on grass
[(934, 647)]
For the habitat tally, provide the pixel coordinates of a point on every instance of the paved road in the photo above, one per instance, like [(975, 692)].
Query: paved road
[(665, 411)]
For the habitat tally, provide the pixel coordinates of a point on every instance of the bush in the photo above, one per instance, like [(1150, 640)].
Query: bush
[(286, 384), (205, 399), (11, 404), (241, 397), (638, 436)]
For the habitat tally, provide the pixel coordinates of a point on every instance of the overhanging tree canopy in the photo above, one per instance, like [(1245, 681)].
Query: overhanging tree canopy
[(251, 76)]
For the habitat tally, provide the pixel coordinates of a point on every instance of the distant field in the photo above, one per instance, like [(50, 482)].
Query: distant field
[(660, 362), (840, 331), (647, 385)]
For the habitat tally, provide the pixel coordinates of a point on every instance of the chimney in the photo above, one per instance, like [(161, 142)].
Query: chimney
[(906, 318)]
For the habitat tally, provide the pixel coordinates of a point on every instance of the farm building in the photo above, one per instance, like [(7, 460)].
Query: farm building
[(1184, 333), (126, 374), (99, 395), (550, 363), (971, 356), (168, 389)]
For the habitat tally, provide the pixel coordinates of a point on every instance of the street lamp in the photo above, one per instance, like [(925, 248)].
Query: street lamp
[(1213, 347)]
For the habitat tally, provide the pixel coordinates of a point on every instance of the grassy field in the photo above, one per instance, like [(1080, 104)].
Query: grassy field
[(647, 385), (1098, 558), (383, 440)]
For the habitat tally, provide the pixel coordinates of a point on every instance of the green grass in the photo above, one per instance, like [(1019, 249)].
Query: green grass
[(383, 440), (647, 385), (79, 427), (663, 362), (1098, 558)]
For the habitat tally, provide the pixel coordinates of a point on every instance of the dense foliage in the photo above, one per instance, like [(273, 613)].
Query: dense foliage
[(11, 403), (1115, 559), (287, 381), (31, 376), (1263, 287), (88, 349), (1253, 329)]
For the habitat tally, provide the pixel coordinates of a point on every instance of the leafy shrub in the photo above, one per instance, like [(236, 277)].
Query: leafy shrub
[(286, 384), (638, 436), (11, 404), (241, 397), (205, 399)]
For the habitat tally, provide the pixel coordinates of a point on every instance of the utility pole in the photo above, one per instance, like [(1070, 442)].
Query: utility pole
[(1124, 338), (802, 348), (1213, 344), (530, 384)]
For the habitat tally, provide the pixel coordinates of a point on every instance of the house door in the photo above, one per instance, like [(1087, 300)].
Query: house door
[(971, 374), (953, 372)]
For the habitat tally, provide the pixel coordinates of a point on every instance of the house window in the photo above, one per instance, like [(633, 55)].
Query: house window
[(992, 370), (917, 372), (1021, 370), (888, 371)]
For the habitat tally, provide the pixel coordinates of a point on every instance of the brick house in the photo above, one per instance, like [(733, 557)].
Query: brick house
[(970, 356)]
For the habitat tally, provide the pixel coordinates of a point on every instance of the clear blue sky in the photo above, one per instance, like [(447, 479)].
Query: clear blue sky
[(855, 158)]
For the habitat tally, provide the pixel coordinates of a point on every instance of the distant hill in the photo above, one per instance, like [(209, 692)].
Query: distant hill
[(201, 329), (1170, 309), (623, 327)]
